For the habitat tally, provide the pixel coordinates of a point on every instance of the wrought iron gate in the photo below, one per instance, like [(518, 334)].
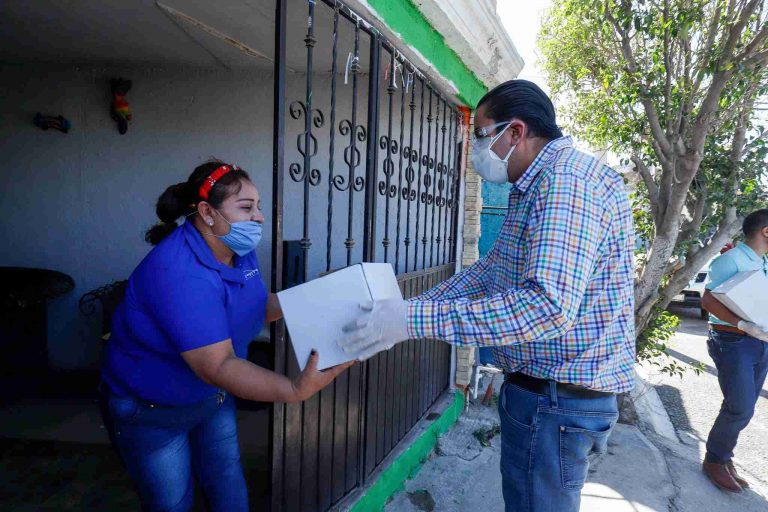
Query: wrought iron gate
[(366, 168)]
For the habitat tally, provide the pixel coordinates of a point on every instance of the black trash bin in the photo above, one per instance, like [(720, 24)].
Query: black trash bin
[(24, 296)]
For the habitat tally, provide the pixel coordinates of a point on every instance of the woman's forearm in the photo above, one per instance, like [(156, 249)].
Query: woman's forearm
[(252, 382), (274, 311)]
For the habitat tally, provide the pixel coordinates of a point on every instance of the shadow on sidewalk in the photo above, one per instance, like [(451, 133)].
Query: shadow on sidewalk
[(673, 403), (707, 368)]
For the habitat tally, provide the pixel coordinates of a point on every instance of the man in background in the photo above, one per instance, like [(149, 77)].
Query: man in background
[(740, 353)]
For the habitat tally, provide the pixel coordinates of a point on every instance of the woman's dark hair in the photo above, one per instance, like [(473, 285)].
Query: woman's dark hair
[(181, 199), (523, 100), (754, 222)]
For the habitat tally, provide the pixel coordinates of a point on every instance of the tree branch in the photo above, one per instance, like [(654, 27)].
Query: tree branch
[(653, 188), (758, 59), (705, 54), (681, 118), (757, 42), (719, 80), (728, 228), (667, 68), (650, 110), (734, 34), (691, 228)]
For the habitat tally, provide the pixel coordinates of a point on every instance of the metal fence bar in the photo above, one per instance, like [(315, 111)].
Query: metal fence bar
[(433, 200), (418, 180), (329, 396), (277, 329), (411, 156), (400, 177), (448, 184), (356, 134), (332, 138), (441, 175), (386, 143), (456, 194), (369, 254), (426, 198)]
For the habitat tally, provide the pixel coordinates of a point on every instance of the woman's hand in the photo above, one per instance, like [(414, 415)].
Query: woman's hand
[(310, 381)]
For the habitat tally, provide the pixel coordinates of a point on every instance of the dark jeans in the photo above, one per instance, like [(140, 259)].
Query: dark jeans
[(545, 444), (742, 364), (163, 448)]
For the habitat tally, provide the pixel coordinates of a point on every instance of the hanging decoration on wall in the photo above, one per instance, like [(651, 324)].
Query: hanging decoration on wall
[(121, 111), (56, 122)]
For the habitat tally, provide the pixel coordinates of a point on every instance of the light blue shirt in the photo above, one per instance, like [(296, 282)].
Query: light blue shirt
[(739, 259)]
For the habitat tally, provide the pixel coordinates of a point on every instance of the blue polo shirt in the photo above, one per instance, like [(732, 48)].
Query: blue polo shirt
[(180, 298), (739, 259)]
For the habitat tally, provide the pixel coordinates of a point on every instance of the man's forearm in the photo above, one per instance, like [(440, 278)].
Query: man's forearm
[(717, 308), (512, 317), (465, 284)]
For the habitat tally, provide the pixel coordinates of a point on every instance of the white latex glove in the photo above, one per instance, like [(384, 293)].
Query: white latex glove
[(382, 324), (753, 330)]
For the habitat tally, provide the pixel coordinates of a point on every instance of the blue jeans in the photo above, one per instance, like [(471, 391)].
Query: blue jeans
[(742, 364), (162, 448), (545, 444)]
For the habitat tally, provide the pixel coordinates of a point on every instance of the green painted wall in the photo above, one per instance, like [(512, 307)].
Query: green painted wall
[(405, 19), (409, 462)]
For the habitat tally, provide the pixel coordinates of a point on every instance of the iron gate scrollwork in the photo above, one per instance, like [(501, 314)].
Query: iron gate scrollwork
[(386, 157)]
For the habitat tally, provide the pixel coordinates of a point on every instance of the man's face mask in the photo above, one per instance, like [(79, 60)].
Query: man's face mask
[(487, 163)]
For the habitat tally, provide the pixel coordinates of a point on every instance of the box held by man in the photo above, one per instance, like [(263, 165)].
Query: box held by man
[(315, 312), (746, 294)]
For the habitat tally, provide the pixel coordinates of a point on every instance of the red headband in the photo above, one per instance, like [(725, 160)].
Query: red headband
[(211, 180)]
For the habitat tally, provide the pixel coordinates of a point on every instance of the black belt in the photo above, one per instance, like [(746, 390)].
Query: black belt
[(541, 387)]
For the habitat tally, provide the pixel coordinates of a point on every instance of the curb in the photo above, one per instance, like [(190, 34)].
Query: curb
[(650, 410), (406, 464)]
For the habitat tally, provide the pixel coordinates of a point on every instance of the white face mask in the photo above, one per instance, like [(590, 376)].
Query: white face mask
[(487, 163)]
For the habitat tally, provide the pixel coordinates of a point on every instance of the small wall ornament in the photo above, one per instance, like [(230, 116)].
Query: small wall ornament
[(55, 122), (121, 110)]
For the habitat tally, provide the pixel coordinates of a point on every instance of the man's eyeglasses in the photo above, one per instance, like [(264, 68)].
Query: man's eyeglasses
[(482, 132)]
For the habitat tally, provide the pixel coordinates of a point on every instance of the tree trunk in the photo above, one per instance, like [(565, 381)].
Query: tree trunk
[(647, 288)]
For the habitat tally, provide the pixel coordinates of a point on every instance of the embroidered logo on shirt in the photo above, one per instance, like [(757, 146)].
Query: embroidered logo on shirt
[(250, 273)]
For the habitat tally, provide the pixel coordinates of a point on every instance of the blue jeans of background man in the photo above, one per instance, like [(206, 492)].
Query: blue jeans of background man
[(742, 364), (545, 444), (165, 448)]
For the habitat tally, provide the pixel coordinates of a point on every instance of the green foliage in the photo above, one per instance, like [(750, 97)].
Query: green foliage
[(634, 76), (652, 344), (602, 90), (644, 225), (484, 435)]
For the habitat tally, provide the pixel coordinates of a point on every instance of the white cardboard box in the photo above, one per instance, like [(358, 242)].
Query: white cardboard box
[(746, 294), (315, 312)]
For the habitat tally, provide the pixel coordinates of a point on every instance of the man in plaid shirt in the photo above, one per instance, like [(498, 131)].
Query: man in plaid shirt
[(554, 297)]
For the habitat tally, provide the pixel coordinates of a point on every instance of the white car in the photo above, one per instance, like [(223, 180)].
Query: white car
[(692, 294)]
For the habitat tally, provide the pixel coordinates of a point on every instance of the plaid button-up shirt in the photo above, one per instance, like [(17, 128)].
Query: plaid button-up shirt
[(555, 293)]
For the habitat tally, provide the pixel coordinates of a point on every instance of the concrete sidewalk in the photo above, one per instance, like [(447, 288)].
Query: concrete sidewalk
[(638, 473)]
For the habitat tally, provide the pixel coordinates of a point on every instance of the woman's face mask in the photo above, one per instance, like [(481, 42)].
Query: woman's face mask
[(243, 237), (487, 163)]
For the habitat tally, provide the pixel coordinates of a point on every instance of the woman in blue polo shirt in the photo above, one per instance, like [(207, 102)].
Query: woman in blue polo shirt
[(177, 352)]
